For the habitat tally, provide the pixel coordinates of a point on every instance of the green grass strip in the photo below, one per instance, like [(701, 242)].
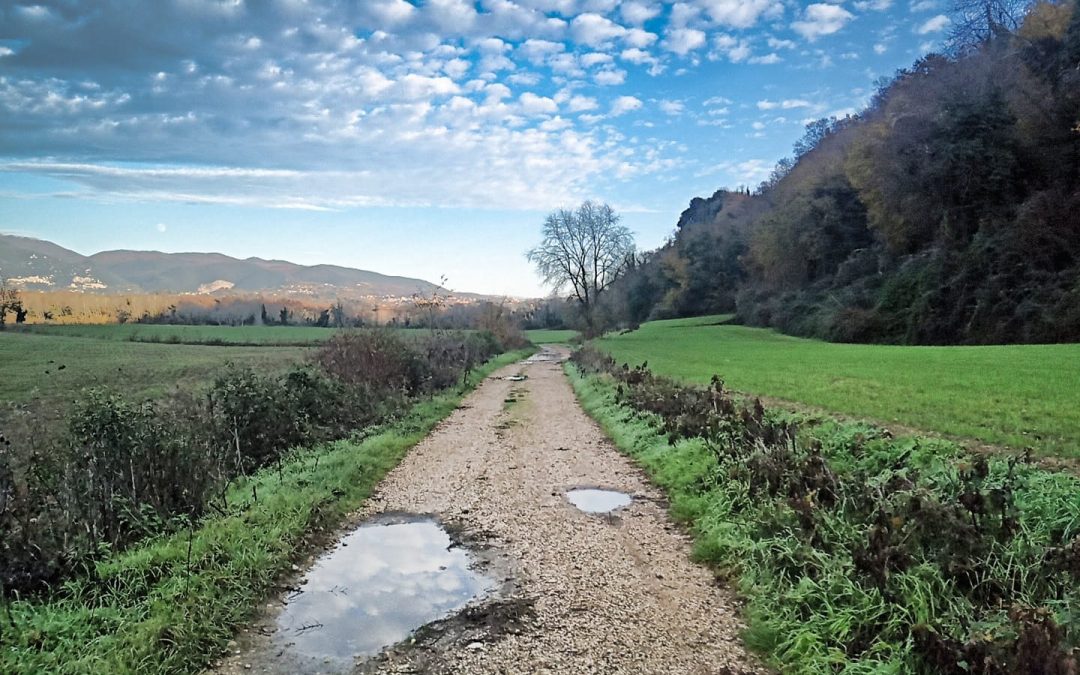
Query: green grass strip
[(807, 608), (1012, 395), (155, 608)]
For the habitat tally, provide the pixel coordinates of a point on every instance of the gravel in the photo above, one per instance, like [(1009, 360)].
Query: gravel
[(608, 593)]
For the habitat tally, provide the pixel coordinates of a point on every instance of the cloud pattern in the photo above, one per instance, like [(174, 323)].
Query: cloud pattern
[(335, 104)]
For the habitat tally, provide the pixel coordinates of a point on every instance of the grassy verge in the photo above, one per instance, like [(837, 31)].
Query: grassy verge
[(170, 605), (860, 553), (1015, 395)]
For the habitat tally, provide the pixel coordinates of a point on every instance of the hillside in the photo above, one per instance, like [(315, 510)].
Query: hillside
[(32, 264), (947, 211)]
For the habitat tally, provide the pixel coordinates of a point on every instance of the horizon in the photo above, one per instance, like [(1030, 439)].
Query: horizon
[(421, 139)]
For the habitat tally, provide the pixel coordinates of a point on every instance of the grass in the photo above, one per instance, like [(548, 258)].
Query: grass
[(545, 336), (806, 562), (157, 609), (213, 335), (47, 369), (1016, 395)]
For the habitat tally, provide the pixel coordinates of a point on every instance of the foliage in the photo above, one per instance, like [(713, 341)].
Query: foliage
[(945, 212), (858, 552), (11, 302), (123, 470), (170, 604)]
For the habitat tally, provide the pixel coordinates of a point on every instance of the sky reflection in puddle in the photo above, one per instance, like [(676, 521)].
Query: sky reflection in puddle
[(591, 500), (380, 584)]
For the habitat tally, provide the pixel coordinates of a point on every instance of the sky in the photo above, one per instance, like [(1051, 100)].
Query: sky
[(423, 138)]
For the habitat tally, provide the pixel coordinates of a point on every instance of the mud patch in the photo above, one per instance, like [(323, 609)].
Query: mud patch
[(474, 628), (389, 577), (593, 500)]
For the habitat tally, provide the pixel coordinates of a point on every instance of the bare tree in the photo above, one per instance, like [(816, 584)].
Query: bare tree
[(585, 249), (977, 21)]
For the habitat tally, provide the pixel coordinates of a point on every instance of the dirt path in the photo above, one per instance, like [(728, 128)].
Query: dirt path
[(590, 594)]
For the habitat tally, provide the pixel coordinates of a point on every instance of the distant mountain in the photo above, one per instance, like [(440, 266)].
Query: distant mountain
[(33, 264)]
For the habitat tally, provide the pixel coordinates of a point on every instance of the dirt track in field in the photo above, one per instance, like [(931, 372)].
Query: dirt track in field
[(586, 593)]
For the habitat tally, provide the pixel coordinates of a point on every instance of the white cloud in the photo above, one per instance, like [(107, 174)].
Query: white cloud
[(637, 56), (624, 104), (581, 103), (391, 12), (933, 25), (766, 59), (746, 172), (821, 19), (735, 49), (786, 104), (682, 41), (595, 30), (595, 59), (531, 104), (924, 5), (609, 77), (161, 227), (537, 51), (776, 43), (880, 48), (741, 13), (636, 37), (672, 108), (636, 12), (873, 5), (451, 16), (456, 68)]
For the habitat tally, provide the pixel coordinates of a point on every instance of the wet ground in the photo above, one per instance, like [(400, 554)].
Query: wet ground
[(594, 500), (381, 582), (579, 591)]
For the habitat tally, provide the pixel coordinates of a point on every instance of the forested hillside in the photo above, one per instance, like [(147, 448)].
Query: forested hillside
[(948, 211)]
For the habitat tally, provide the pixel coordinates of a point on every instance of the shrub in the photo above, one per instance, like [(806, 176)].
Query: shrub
[(861, 552), (122, 470)]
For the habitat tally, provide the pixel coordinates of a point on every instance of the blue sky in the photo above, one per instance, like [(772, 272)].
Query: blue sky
[(422, 138)]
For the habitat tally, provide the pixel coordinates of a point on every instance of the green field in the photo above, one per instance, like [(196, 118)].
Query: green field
[(244, 335), (171, 603), (45, 369), (546, 337), (1015, 395)]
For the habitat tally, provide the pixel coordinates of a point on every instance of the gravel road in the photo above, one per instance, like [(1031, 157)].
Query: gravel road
[(590, 593)]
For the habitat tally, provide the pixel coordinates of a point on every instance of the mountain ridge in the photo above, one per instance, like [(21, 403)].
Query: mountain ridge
[(34, 264)]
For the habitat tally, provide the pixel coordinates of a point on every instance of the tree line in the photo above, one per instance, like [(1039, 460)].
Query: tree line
[(947, 211)]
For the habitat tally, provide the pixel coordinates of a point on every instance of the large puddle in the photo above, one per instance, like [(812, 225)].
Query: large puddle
[(382, 582), (591, 500)]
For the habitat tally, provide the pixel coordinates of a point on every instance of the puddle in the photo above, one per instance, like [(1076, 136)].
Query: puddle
[(591, 500), (545, 355), (382, 582)]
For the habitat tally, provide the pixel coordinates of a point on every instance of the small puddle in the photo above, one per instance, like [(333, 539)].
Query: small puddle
[(545, 355), (591, 500), (382, 582)]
